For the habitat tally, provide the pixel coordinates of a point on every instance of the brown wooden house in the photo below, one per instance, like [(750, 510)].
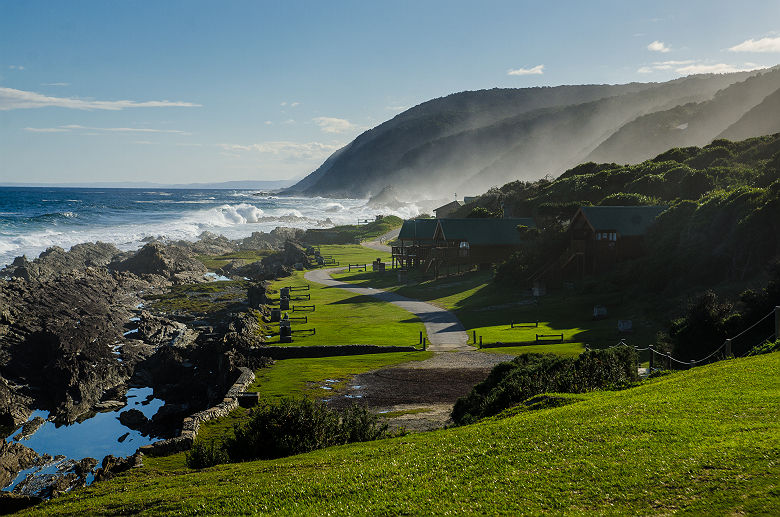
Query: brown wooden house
[(415, 241), (602, 236)]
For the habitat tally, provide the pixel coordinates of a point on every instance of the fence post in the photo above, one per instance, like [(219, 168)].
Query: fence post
[(652, 356), (777, 322), (728, 347), (475, 337), (693, 363), (420, 342), (423, 341), (480, 341)]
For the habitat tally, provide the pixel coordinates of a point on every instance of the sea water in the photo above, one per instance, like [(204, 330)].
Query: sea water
[(35, 218)]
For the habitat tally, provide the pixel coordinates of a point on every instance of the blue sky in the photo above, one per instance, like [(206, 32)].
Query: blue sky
[(195, 91)]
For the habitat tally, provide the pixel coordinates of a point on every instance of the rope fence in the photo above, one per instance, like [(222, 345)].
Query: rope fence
[(725, 348)]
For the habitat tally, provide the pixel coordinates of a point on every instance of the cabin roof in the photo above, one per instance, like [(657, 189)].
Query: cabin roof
[(417, 229), (452, 204), (484, 231), (625, 220)]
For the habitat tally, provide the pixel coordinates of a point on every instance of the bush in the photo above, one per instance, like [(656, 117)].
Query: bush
[(204, 455), (294, 426), (529, 375)]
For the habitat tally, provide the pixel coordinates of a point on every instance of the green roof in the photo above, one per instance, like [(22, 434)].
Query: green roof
[(625, 220), (417, 229), (485, 232)]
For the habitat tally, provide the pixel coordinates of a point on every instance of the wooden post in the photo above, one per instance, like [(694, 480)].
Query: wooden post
[(424, 346), (421, 338), (475, 337), (652, 356), (777, 322), (480, 341), (728, 347)]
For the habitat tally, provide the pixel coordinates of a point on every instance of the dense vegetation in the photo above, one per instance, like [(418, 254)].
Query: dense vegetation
[(720, 234), (529, 375), (289, 426), (723, 221)]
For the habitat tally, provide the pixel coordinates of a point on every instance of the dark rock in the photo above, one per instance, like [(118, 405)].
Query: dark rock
[(29, 428), (12, 503), (112, 466), (134, 419), (15, 457), (156, 258), (56, 261), (256, 295)]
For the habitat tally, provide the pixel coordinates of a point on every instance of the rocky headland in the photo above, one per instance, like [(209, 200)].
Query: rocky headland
[(78, 328)]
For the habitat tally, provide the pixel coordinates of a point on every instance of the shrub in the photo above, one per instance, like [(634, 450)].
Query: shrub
[(294, 426), (204, 455), (529, 375)]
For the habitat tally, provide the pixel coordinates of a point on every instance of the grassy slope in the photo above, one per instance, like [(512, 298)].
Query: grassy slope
[(704, 441), (343, 318)]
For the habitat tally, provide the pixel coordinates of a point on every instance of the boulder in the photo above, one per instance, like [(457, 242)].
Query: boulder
[(155, 258)]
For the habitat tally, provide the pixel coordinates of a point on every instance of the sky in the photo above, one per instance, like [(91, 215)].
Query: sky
[(203, 91)]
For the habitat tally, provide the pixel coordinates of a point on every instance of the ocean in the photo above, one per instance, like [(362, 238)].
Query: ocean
[(35, 218)]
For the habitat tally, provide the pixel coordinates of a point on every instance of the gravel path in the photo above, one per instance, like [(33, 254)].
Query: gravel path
[(445, 332), (417, 395), (379, 243)]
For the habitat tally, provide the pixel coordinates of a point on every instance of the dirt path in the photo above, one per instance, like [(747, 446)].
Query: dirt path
[(417, 395), (445, 332), (379, 243)]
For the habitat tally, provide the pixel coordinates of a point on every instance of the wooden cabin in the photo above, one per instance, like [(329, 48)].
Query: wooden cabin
[(435, 244), (463, 243), (602, 236), (415, 241)]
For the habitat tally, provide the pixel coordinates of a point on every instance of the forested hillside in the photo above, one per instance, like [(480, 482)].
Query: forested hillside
[(467, 142)]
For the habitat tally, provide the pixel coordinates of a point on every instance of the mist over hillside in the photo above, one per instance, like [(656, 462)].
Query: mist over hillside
[(467, 142)]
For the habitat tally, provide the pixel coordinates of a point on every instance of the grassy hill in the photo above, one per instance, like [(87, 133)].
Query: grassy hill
[(705, 441)]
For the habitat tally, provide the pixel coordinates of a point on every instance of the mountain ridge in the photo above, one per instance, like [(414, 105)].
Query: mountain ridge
[(469, 141)]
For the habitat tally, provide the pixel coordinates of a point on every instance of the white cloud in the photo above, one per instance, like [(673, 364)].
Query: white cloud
[(397, 108), (658, 46), (285, 149), (333, 125), (718, 68), (46, 130), (11, 98), (537, 70), (284, 103), (761, 45), (690, 66), (55, 84), (268, 123), (71, 127), (294, 104), (16, 67)]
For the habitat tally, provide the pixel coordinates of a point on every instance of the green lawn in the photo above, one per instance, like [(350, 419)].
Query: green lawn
[(489, 309), (346, 254), (705, 441), (342, 318)]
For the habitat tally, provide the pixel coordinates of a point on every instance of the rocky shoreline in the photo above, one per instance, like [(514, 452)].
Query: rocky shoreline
[(78, 328)]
